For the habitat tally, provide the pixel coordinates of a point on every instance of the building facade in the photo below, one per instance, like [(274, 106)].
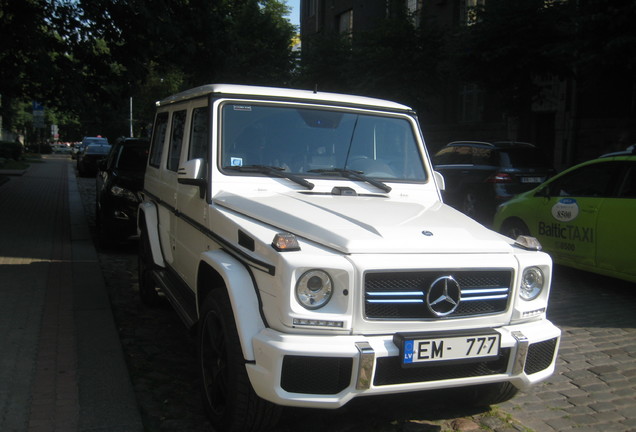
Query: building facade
[(569, 121)]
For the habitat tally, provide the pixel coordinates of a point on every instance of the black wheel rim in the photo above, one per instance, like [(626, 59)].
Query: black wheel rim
[(214, 363)]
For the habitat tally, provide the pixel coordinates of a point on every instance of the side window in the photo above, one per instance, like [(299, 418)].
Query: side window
[(628, 186), (176, 139), (158, 138), (199, 134), (588, 181)]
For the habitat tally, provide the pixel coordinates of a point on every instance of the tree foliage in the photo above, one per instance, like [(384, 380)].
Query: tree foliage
[(86, 58), (512, 42)]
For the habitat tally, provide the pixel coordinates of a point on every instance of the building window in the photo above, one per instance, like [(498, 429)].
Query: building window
[(310, 7), (345, 22), (471, 103), (468, 11), (413, 10)]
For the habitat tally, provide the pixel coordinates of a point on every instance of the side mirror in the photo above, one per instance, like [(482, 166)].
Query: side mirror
[(439, 179), (191, 173)]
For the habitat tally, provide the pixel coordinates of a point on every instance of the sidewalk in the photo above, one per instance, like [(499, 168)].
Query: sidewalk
[(61, 363)]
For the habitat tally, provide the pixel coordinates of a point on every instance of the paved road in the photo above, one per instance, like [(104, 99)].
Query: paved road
[(594, 388)]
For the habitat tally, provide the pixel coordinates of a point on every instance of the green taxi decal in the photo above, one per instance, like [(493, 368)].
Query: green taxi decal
[(565, 210), (566, 232)]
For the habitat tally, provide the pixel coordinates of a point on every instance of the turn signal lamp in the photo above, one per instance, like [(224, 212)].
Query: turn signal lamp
[(528, 242), (285, 242)]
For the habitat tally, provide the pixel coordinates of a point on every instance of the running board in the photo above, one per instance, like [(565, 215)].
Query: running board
[(179, 295)]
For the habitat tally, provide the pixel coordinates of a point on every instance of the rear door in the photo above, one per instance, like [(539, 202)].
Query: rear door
[(191, 206)]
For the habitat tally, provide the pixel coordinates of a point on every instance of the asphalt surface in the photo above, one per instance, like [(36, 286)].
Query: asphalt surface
[(93, 372)]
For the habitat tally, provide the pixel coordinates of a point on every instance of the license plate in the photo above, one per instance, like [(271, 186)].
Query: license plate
[(434, 349), (532, 179)]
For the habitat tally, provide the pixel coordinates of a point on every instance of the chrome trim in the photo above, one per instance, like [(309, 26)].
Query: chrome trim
[(522, 352), (365, 365)]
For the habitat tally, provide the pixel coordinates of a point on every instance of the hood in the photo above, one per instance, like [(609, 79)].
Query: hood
[(369, 224)]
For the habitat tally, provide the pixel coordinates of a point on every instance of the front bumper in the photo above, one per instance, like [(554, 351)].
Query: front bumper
[(329, 371)]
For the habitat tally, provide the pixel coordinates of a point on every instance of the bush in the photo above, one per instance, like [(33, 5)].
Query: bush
[(10, 150)]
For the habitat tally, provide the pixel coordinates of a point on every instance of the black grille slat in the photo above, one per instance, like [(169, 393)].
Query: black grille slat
[(402, 295), (316, 375), (540, 356)]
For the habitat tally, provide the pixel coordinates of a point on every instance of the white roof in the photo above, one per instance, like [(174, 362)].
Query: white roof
[(285, 93)]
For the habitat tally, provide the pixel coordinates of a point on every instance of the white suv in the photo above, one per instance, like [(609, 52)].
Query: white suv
[(304, 237)]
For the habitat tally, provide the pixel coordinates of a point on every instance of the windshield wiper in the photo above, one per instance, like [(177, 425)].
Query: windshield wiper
[(273, 171), (354, 175)]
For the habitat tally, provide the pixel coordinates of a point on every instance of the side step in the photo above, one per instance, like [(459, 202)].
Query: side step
[(182, 299)]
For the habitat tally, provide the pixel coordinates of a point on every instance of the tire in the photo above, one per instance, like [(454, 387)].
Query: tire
[(148, 290), (228, 397), (513, 228)]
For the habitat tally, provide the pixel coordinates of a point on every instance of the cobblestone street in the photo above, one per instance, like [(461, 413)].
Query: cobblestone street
[(594, 388)]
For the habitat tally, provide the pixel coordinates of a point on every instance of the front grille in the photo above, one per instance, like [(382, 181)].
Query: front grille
[(316, 375), (390, 371), (540, 356), (402, 295)]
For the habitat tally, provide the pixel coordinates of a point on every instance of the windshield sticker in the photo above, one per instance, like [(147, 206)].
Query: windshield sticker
[(242, 108), (236, 161), (565, 210)]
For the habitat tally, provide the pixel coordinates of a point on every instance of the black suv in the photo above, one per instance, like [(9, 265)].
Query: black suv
[(481, 175), (119, 180)]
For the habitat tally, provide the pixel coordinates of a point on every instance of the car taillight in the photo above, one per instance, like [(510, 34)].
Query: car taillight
[(500, 178)]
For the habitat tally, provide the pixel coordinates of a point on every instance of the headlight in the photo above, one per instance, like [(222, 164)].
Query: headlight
[(531, 283), (314, 289), (123, 193)]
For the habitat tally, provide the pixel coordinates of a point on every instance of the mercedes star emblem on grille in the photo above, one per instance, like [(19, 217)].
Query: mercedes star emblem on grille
[(443, 296)]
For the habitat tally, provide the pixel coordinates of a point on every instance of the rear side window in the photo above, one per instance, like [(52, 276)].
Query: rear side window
[(524, 158), (199, 134), (628, 186), (454, 155), (158, 138), (176, 139)]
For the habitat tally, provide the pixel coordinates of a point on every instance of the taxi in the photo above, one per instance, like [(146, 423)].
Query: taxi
[(584, 217)]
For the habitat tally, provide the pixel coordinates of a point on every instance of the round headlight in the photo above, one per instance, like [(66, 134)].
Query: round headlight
[(314, 289), (531, 283)]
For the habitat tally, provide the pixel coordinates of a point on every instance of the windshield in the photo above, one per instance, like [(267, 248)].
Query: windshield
[(319, 142)]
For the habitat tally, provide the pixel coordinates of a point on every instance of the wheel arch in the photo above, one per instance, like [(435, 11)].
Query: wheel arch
[(148, 220), (219, 270)]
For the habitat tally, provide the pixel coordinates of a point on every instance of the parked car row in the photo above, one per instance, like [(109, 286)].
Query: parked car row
[(583, 217)]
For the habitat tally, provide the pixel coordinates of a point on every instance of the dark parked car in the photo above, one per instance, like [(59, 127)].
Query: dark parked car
[(79, 147), (89, 157), (481, 175), (119, 182)]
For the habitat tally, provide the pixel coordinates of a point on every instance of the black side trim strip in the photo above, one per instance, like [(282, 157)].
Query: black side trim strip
[(226, 245)]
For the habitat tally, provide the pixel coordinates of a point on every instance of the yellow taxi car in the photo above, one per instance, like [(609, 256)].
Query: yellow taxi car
[(584, 217)]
